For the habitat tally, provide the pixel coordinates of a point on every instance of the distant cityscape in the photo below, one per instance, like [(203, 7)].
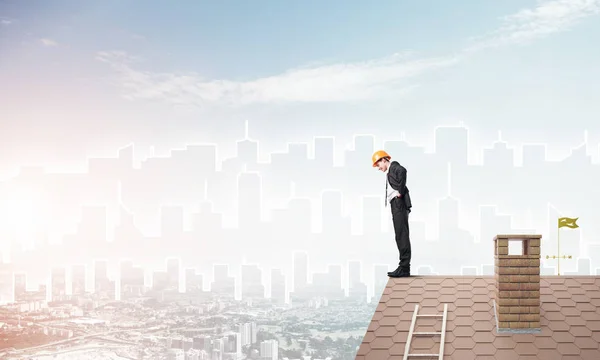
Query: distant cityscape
[(179, 320), (298, 247)]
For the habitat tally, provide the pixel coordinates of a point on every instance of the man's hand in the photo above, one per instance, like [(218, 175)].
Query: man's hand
[(399, 195)]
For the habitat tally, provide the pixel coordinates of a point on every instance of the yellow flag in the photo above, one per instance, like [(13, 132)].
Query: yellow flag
[(568, 222)]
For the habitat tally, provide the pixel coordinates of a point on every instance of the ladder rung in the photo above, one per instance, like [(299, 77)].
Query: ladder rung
[(424, 355), (411, 333)]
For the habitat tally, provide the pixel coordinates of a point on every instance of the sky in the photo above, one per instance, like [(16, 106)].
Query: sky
[(85, 78)]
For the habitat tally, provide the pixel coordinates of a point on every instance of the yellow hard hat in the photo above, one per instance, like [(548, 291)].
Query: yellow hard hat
[(378, 155)]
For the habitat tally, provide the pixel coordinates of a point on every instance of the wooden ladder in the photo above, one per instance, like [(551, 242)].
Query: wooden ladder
[(412, 333)]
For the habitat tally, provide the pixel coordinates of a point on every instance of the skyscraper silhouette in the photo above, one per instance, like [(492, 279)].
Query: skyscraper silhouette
[(78, 279), (20, 283), (247, 149), (93, 231), (101, 282), (277, 286), (300, 271), (379, 280), (6, 283), (223, 284), (173, 270), (324, 152), (534, 156), (249, 200), (252, 287), (371, 214), (333, 222), (363, 149), (356, 288), (451, 144), (193, 281), (171, 223), (499, 157), (202, 157), (354, 273), (59, 283)]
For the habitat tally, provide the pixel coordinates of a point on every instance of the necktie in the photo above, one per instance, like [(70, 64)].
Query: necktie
[(386, 191)]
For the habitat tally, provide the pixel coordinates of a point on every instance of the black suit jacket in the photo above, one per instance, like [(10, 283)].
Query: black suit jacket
[(397, 179)]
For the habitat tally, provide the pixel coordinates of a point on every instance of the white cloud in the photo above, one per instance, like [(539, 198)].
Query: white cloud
[(547, 18), (4, 21), (326, 83), (395, 74), (48, 42)]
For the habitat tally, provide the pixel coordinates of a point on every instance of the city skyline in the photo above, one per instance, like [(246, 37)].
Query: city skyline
[(537, 150), (553, 152), (180, 218)]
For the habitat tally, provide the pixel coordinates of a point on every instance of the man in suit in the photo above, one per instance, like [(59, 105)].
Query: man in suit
[(396, 194)]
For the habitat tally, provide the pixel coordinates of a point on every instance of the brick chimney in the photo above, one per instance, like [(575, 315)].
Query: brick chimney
[(517, 280)]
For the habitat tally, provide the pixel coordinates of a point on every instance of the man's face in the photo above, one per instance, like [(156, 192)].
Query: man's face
[(383, 165)]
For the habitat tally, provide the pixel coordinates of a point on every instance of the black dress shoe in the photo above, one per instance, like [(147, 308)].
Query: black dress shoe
[(395, 271), (400, 273)]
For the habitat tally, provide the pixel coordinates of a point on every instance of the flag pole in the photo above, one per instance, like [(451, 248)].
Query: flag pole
[(558, 245)]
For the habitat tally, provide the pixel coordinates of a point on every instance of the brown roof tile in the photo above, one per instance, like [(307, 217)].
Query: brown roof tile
[(570, 320)]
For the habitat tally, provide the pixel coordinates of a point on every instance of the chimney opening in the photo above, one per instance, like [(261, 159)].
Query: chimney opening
[(515, 247)]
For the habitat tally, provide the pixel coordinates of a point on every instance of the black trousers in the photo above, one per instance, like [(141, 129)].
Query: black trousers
[(400, 220)]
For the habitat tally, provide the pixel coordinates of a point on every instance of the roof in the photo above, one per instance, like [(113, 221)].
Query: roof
[(570, 320)]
